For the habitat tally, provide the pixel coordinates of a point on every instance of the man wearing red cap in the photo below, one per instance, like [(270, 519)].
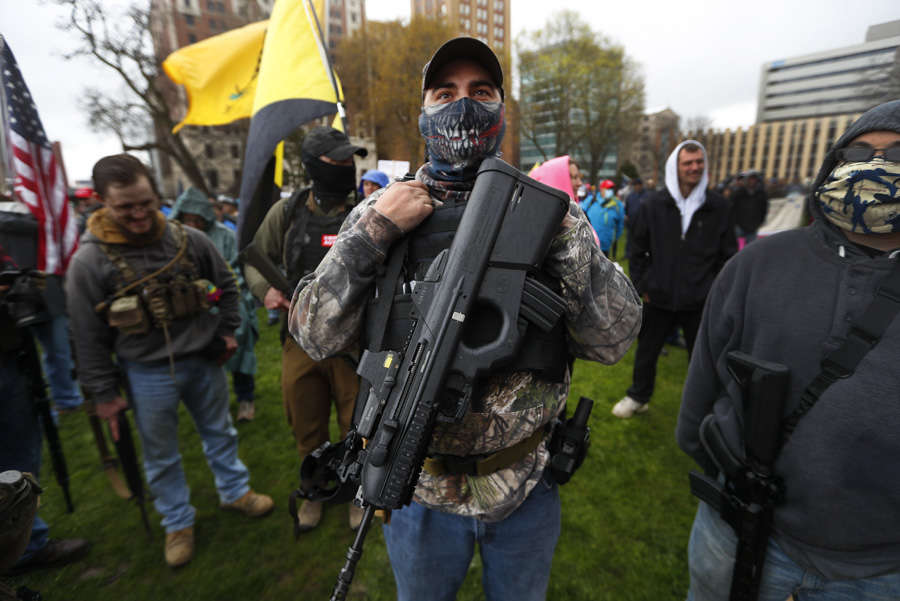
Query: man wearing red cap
[(513, 511)]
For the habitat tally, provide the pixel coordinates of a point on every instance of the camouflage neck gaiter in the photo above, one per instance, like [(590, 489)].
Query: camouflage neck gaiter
[(862, 197)]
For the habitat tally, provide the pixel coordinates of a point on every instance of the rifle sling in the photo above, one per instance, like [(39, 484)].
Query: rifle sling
[(441, 465), (378, 313), (864, 334)]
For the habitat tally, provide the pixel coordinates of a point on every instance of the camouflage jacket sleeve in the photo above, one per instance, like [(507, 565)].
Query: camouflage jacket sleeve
[(603, 310), (327, 306)]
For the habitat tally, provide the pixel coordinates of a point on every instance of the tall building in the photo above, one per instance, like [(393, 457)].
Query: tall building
[(487, 20), (344, 18), (658, 135), (790, 150), (832, 82)]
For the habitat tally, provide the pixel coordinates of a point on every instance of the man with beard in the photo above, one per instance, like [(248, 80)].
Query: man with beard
[(822, 301), (511, 509), (295, 234), (143, 290), (683, 236)]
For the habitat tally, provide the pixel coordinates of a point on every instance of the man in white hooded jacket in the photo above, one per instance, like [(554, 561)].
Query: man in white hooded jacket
[(682, 238)]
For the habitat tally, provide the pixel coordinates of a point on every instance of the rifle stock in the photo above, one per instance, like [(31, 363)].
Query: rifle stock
[(251, 255)]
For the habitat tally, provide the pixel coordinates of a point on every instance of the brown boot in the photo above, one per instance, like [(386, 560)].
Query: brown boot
[(179, 547), (356, 516), (252, 504), (310, 515)]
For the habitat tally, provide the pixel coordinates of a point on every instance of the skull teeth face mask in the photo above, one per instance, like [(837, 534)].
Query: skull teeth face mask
[(863, 197), (460, 134)]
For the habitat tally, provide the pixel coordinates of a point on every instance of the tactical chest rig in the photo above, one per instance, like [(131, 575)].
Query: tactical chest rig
[(308, 236), (174, 291), (391, 313)]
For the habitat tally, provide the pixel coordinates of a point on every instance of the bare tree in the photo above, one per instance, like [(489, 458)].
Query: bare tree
[(140, 109), (697, 125)]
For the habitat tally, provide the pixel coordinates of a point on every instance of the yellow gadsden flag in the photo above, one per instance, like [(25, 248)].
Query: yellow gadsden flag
[(219, 75), (295, 86)]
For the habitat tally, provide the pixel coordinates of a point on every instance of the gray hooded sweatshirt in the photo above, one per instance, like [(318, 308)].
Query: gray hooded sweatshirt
[(790, 298), (92, 278)]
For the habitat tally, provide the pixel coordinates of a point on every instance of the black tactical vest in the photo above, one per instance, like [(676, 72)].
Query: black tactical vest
[(308, 236), (545, 353)]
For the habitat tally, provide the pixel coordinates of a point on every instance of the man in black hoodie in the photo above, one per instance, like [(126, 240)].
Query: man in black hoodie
[(794, 298), (751, 205), (681, 239)]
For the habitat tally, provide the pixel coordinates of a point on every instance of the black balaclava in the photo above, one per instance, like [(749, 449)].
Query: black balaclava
[(332, 184)]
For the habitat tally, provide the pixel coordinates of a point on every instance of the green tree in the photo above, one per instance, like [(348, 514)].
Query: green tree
[(380, 67), (580, 94)]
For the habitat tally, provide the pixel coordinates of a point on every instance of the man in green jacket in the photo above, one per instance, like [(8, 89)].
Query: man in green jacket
[(193, 209)]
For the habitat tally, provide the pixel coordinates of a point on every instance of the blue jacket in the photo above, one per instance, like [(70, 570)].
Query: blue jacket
[(607, 218)]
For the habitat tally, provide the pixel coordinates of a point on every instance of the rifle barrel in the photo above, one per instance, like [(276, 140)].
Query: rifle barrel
[(345, 577)]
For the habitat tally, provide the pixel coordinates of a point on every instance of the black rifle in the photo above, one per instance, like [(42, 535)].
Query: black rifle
[(128, 457), (751, 490), (38, 389), (251, 255), (483, 278), (109, 463)]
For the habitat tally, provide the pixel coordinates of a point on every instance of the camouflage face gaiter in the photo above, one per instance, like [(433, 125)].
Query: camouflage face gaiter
[(459, 135), (863, 197)]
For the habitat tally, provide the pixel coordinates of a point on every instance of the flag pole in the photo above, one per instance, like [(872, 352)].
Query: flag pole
[(324, 52), (6, 169)]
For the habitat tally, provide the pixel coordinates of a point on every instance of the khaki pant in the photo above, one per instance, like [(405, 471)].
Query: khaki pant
[(308, 387)]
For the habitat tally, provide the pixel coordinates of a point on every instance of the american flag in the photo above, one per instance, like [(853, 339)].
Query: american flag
[(40, 183)]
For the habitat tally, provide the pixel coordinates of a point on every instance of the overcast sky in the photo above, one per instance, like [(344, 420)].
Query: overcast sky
[(698, 57)]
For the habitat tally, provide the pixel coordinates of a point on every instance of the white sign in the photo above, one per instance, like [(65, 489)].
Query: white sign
[(394, 169)]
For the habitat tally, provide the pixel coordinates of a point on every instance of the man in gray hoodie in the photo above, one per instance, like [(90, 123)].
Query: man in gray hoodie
[(160, 298), (792, 298)]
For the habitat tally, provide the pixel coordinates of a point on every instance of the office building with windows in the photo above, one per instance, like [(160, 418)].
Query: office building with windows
[(487, 20), (832, 82)]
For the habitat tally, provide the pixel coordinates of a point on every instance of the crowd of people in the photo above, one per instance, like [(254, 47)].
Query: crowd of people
[(159, 307)]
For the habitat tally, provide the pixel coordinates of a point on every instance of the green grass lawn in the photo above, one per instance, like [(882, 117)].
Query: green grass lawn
[(626, 515)]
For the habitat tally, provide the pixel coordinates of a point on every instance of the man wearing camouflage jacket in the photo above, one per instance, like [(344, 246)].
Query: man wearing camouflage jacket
[(513, 512)]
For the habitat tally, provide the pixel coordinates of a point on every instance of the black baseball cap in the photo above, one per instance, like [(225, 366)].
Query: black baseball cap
[(331, 142), (463, 47)]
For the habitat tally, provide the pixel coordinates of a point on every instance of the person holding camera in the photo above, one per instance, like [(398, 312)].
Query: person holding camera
[(20, 428), (160, 297)]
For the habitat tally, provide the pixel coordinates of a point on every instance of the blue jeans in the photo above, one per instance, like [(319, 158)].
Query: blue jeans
[(54, 337), (711, 559), (202, 386), (20, 438), (430, 551)]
